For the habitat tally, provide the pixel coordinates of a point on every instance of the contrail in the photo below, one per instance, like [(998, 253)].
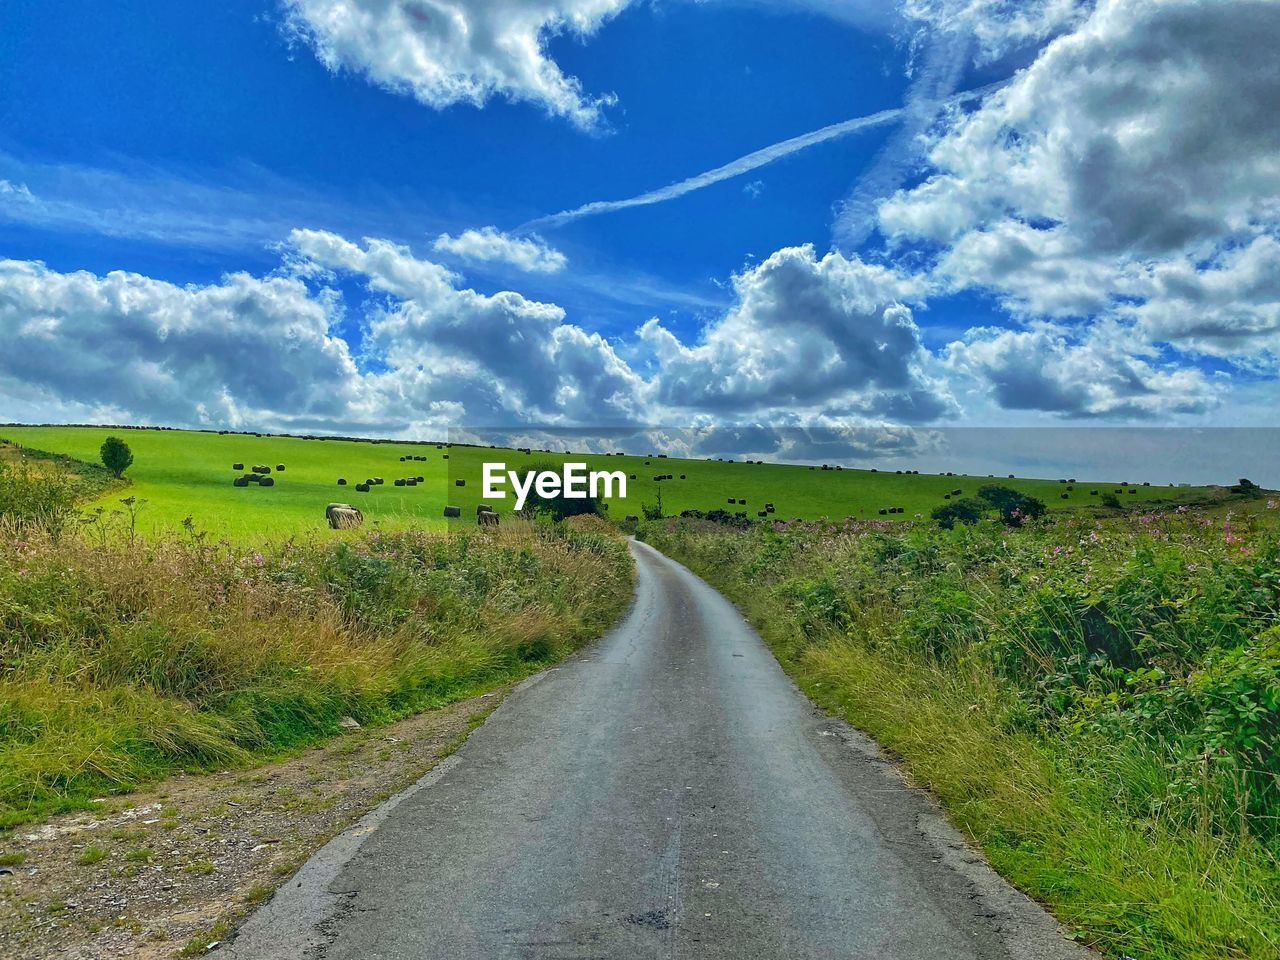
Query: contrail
[(742, 165)]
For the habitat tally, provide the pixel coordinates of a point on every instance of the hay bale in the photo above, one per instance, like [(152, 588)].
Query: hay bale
[(342, 482), (267, 482), (240, 482), (279, 468), (237, 466), (343, 516), (261, 468), (682, 476), (411, 482), (378, 481), (400, 483), (762, 513), (483, 508), (419, 479), (459, 483), (733, 499), (452, 511), (362, 487)]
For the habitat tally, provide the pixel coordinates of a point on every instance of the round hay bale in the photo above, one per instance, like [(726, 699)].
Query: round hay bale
[(261, 468), (399, 483), (362, 487), (240, 482), (342, 482), (419, 479), (237, 466), (483, 508), (459, 483), (279, 467), (453, 511), (411, 482), (267, 482)]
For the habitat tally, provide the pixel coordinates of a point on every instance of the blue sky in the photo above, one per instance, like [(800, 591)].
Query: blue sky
[(349, 186)]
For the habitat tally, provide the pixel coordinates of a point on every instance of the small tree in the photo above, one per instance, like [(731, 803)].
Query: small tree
[(116, 455), (558, 507), (1015, 508), (968, 510)]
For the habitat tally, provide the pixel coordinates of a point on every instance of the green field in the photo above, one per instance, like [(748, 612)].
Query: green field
[(186, 473)]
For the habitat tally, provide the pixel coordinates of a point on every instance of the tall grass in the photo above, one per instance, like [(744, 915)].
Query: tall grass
[(124, 659), (1096, 702)]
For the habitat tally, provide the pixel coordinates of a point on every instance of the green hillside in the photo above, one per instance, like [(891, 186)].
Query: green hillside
[(185, 473)]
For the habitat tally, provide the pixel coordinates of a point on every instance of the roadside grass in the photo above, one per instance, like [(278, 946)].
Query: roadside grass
[(180, 474), (129, 659), (1102, 722)]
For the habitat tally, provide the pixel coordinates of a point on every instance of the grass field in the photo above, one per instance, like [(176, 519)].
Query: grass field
[(182, 473)]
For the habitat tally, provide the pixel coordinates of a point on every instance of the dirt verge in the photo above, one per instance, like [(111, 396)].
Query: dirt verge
[(170, 871)]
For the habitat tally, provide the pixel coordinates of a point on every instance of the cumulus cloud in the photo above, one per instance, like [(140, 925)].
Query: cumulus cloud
[(805, 334), (810, 343), (1229, 308), (445, 52), (531, 254), (1121, 197), (1146, 135), (497, 356), (194, 355), (1098, 373)]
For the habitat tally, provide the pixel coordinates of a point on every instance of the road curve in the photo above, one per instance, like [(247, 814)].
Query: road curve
[(667, 793)]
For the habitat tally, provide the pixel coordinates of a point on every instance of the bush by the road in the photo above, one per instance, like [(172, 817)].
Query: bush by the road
[(1097, 702)]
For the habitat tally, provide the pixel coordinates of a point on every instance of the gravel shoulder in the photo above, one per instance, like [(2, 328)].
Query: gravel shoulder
[(171, 870)]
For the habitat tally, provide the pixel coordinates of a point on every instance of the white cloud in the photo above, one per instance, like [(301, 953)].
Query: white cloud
[(805, 335), (1100, 372), (531, 254), (999, 25), (500, 357), (445, 52), (1130, 177), (1229, 308), (190, 354), (1149, 133)]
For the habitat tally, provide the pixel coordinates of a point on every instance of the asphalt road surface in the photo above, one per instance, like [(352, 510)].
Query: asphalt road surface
[(666, 793)]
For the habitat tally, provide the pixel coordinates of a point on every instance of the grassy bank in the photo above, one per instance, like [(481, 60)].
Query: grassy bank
[(1097, 703), (126, 659)]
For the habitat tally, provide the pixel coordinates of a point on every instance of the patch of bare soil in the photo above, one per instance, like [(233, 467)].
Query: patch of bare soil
[(171, 871)]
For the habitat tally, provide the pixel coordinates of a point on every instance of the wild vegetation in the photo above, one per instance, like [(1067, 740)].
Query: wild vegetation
[(1095, 700), (126, 658)]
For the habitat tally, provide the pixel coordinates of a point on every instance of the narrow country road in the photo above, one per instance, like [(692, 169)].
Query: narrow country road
[(667, 793)]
